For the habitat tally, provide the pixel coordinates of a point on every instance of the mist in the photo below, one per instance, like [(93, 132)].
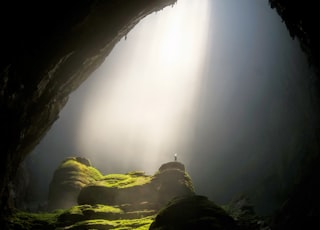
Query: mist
[(220, 83)]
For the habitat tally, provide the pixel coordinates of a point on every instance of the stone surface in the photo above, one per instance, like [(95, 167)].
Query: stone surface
[(193, 212), (300, 19), (242, 211), (113, 201), (137, 189), (71, 176), (301, 209)]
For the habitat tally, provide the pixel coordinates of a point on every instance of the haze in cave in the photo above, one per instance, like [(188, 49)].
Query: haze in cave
[(220, 83)]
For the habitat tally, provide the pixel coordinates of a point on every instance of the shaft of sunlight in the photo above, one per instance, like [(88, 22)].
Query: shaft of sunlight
[(139, 109)]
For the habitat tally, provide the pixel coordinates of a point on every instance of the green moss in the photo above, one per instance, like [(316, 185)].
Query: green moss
[(79, 209), (137, 173), (26, 220), (140, 224), (188, 181), (82, 175), (79, 174), (124, 180), (89, 224)]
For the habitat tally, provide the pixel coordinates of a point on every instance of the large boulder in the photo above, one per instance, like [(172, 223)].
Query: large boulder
[(171, 181), (69, 178), (193, 212)]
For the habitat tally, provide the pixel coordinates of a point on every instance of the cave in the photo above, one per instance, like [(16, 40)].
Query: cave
[(50, 49)]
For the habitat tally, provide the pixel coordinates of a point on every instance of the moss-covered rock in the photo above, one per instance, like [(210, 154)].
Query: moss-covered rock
[(172, 165), (193, 212), (137, 189), (102, 224), (83, 217), (171, 181), (69, 178), (113, 201), (125, 201), (75, 181), (242, 211), (25, 220)]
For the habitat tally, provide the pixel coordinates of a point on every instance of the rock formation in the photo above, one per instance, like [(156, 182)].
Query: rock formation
[(193, 212), (126, 201), (301, 209), (77, 182), (135, 189), (300, 19), (165, 200), (71, 176)]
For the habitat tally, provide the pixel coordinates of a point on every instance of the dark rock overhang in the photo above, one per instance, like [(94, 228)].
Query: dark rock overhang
[(49, 49), (301, 19)]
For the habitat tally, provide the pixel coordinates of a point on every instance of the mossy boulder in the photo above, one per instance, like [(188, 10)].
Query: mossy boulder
[(171, 181), (69, 178), (25, 220), (193, 212), (117, 189), (136, 189), (242, 211)]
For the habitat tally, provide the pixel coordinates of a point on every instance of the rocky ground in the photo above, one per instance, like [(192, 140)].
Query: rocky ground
[(82, 198)]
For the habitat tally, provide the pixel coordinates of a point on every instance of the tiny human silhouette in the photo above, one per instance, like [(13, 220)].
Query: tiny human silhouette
[(175, 157)]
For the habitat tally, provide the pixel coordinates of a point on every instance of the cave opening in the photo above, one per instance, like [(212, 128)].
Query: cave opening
[(133, 118), (247, 112)]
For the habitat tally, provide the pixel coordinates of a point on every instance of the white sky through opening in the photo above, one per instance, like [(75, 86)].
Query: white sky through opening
[(139, 108)]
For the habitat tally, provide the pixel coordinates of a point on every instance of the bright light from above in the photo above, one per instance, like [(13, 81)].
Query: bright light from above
[(140, 105)]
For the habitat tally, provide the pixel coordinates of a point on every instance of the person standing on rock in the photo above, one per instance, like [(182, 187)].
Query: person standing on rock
[(175, 157)]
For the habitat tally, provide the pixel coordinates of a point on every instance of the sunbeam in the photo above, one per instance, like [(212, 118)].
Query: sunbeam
[(138, 110)]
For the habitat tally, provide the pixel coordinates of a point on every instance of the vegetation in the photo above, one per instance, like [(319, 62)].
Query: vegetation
[(79, 217), (124, 180), (125, 224), (88, 173), (26, 220), (80, 209), (114, 201), (188, 181)]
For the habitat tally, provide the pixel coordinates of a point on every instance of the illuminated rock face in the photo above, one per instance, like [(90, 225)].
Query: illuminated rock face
[(75, 181), (135, 189), (70, 177), (133, 200)]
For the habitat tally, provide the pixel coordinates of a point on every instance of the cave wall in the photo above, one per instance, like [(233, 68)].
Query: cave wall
[(48, 50), (301, 19), (301, 209)]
